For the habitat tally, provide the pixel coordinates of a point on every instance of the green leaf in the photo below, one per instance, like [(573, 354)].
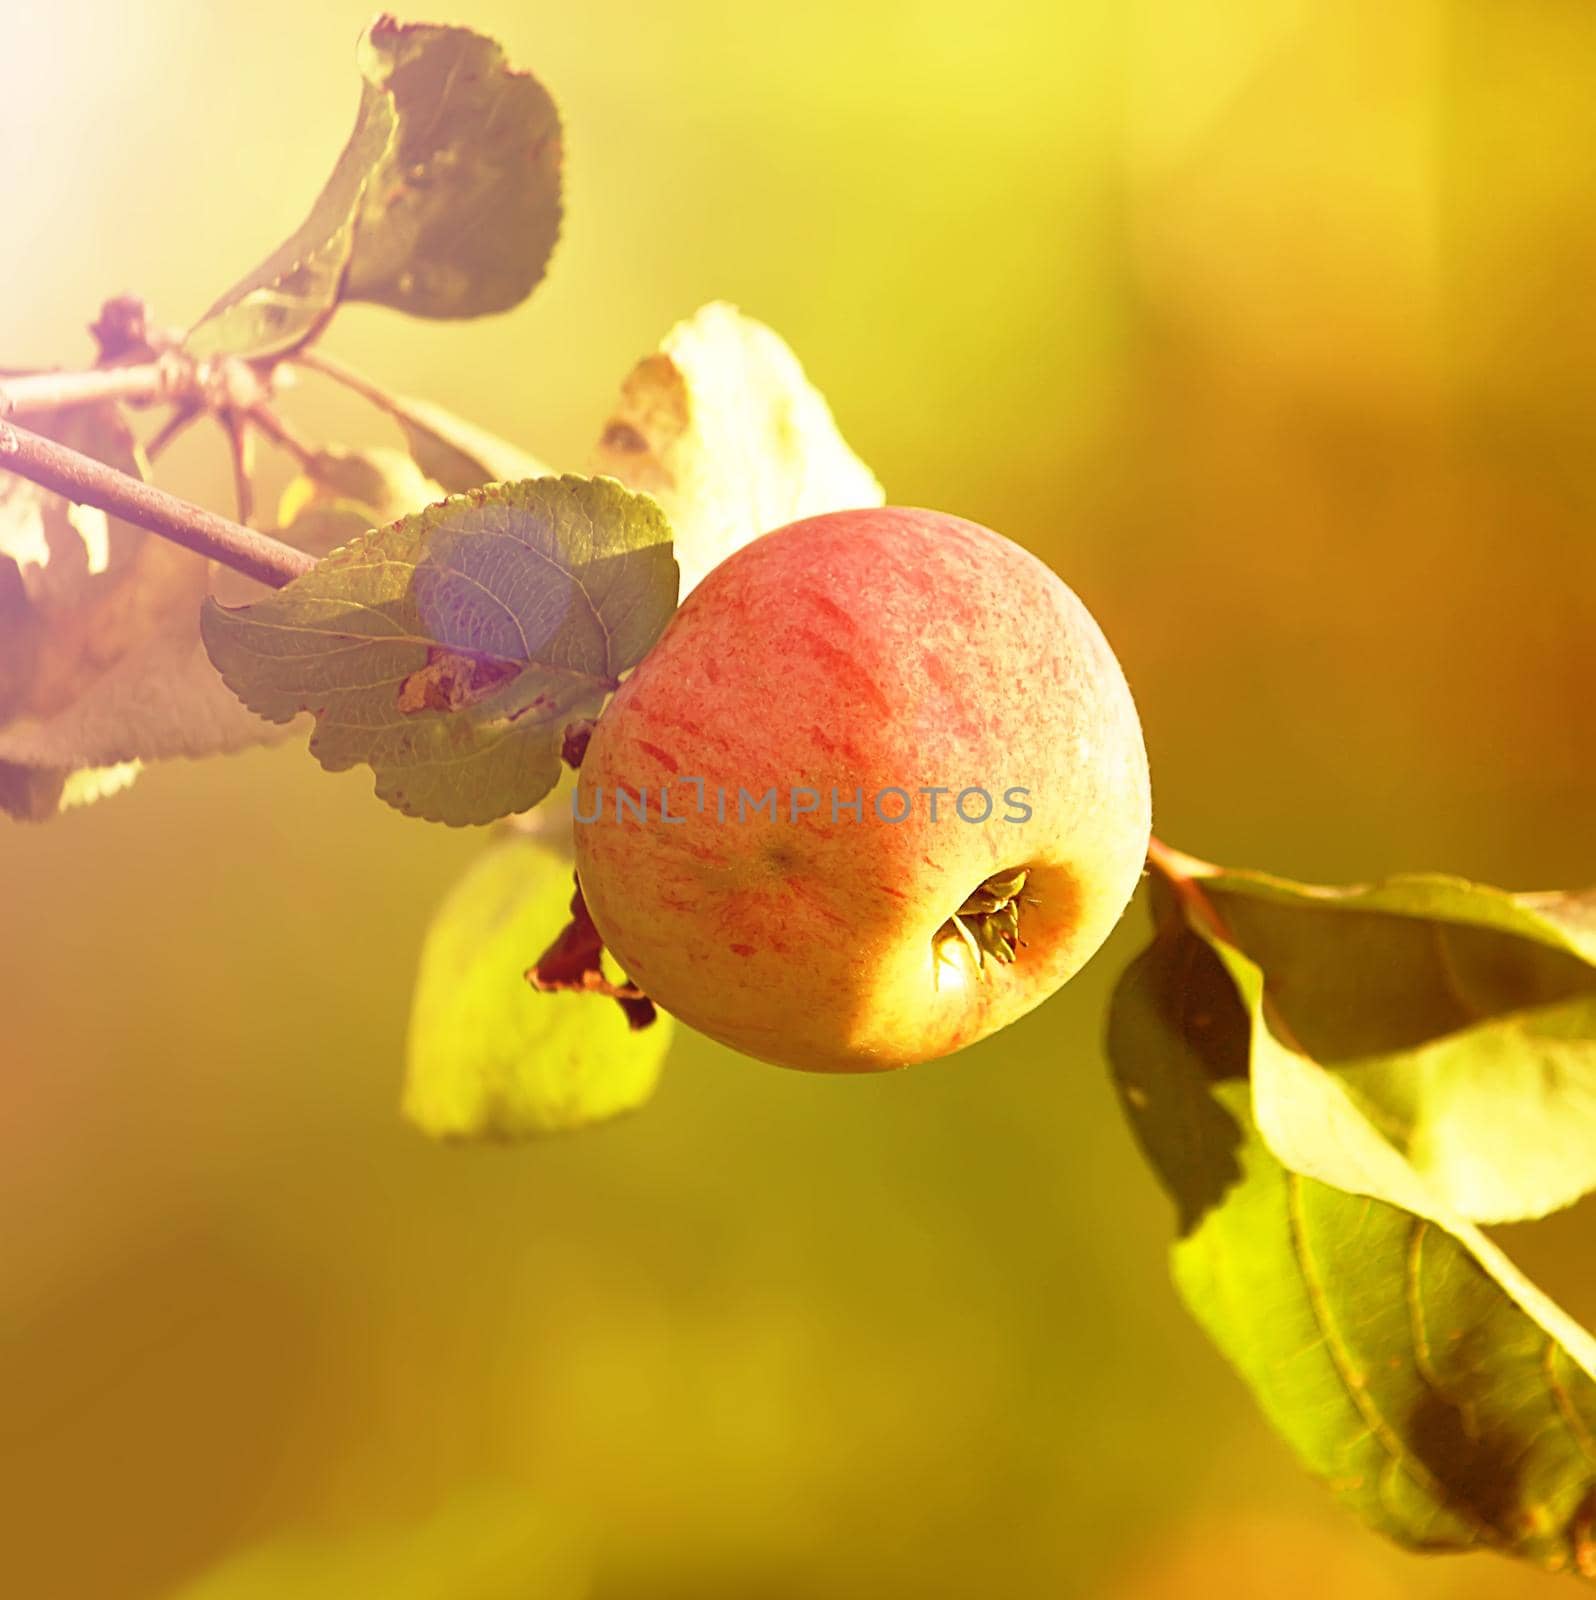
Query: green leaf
[(488, 1057), (1462, 1017), (1443, 1398), (458, 454), (462, 212), (450, 649), (288, 297), (444, 203)]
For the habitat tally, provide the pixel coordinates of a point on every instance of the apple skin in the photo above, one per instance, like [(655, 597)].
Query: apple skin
[(856, 651)]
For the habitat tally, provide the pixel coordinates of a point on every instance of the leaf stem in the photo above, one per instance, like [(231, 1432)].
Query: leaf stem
[(316, 360), (92, 483), (1184, 874)]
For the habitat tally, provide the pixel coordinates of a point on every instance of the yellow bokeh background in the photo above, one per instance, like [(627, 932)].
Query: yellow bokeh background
[(1271, 326)]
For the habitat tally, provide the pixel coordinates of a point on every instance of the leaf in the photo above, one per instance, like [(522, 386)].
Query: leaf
[(463, 210), (444, 203), (573, 963), (457, 453), (36, 794), (489, 1057), (340, 495), (160, 700), (288, 297), (18, 630), (1444, 1399), (79, 587), (100, 658), (385, 483), (1462, 1017), (450, 649), (722, 427)]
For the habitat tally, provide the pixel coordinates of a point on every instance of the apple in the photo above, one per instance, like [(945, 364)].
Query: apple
[(877, 791)]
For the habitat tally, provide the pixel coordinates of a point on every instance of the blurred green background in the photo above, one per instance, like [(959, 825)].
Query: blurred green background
[(1270, 325)]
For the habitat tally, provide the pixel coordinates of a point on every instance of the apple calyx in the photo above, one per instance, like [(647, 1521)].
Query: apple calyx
[(988, 923)]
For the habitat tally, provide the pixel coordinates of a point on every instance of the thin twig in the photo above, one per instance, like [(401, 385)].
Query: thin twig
[(187, 413), (282, 435), (241, 451), (50, 391), (92, 483)]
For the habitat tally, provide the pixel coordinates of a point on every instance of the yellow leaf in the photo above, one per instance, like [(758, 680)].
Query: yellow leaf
[(722, 427)]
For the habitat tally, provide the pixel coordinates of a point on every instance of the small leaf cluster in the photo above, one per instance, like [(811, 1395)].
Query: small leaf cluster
[(1337, 1087), (444, 203), (450, 650)]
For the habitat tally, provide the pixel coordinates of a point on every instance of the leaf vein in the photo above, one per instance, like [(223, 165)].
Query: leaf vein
[(1345, 1369)]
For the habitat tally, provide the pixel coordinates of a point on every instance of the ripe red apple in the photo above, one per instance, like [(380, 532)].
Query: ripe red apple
[(854, 663)]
